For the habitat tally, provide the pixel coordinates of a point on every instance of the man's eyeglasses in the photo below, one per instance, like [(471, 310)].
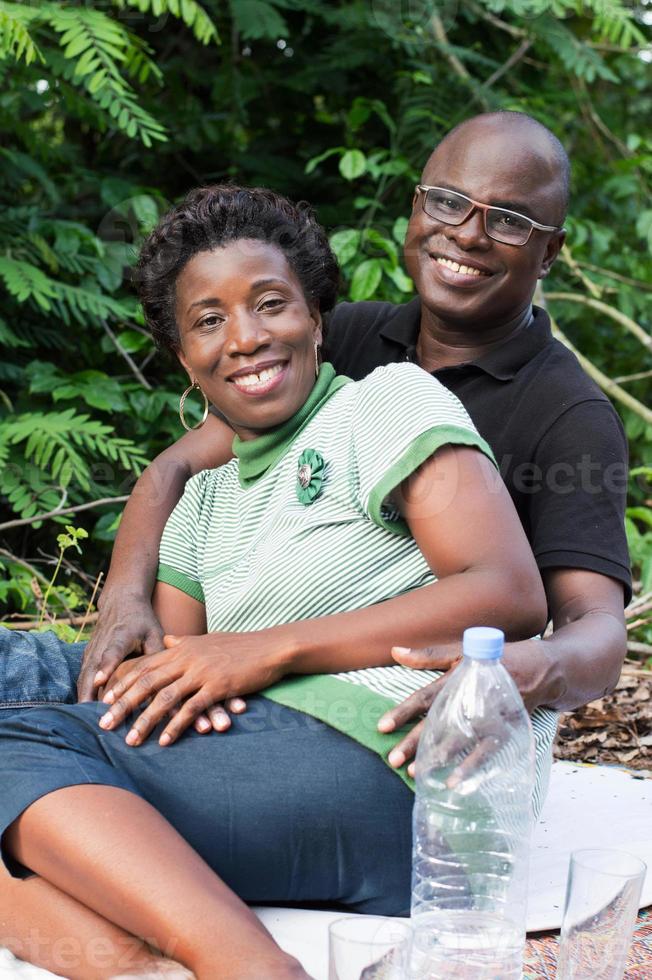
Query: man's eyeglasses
[(502, 225)]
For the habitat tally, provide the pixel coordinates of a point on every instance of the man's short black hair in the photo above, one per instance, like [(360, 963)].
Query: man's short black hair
[(212, 217)]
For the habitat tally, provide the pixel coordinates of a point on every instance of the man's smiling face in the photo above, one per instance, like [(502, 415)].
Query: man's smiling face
[(465, 279)]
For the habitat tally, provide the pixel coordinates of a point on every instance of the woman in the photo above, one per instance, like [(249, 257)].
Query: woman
[(290, 571)]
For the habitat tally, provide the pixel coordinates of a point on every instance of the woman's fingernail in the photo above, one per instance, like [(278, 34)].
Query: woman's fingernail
[(401, 650), (386, 725), (106, 720), (238, 704), (411, 770), (204, 725), (132, 737), (100, 678), (164, 739), (109, 697), (396, 758)]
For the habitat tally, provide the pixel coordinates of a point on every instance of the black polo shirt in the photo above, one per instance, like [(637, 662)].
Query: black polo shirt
[(559, 443)]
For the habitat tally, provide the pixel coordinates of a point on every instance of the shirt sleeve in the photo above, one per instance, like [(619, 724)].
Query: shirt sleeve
[(402, 416), (577, 505), (178, 551)]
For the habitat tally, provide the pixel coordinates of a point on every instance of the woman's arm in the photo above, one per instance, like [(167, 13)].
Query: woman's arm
[(178, 613), (127, 622), (464, 522)]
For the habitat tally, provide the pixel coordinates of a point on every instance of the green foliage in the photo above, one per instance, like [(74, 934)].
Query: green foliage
[(15, 39), (638, 523), (110, 111), (70, 539), (93, 52)]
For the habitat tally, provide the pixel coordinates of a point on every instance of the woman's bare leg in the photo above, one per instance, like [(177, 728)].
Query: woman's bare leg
[(116, 854), (44, 926)]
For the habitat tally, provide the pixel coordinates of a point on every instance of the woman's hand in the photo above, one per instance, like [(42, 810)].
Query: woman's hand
[(217, 718), (190, 675), (526, 661)]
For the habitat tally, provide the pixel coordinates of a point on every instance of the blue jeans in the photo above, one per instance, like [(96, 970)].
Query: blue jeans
[(282, 807), (37, 669)]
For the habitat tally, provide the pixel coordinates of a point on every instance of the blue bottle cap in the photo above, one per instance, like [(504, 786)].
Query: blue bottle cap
[(483, 643)]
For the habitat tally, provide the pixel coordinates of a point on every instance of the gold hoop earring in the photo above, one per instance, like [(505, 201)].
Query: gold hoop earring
[(316, 359), (182, 402)]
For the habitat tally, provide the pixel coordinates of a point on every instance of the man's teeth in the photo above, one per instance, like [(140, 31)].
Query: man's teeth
[(465, 270), (250, 380)]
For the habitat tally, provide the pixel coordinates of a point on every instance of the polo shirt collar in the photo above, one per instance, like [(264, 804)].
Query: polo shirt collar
[(502, 363)]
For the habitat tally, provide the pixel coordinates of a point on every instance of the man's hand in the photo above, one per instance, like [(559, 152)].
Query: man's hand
[(190, 675), (125, 625), (526, 661)]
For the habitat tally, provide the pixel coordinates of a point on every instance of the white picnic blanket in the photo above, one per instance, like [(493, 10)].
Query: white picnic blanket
[(587, 806)]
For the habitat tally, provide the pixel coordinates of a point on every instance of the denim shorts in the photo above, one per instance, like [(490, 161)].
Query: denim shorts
[(282, 807), (37, 669)]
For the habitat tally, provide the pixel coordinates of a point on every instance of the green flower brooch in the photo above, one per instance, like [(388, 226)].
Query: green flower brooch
[(310, 475)]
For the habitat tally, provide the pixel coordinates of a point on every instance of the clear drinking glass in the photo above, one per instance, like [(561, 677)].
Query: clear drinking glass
[(368, 947), (602, 895)]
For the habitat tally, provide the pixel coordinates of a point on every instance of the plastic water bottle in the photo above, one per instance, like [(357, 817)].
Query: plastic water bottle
[(473, 822)]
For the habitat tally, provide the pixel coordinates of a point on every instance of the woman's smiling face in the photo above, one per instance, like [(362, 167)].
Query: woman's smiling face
[(247, 333)]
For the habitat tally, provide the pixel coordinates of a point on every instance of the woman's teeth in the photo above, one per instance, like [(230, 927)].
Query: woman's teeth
[(251, 380), (465, 270)]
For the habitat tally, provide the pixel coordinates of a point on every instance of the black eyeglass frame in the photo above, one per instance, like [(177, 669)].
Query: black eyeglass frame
[(478, 205)]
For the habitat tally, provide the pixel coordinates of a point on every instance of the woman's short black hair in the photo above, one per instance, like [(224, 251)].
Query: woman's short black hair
[(211, 217)]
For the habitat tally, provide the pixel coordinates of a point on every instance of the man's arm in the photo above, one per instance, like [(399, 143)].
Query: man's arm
[(584, 655), (579, 662), (127, 623)]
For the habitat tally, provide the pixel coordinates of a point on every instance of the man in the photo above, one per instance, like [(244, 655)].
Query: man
[(486, 225)]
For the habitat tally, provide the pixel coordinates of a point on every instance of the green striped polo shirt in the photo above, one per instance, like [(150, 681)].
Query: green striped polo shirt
[(259, 553)]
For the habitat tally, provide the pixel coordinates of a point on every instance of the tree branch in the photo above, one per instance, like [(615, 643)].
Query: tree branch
[(513, 59), (638, 283), (599, 123), (608, 386), (610, 311), (455, 63), (641, 376), (33, 571), (24, 521), (69, 620), (127, 356), (591, 287), (634, 647), (502, 25)]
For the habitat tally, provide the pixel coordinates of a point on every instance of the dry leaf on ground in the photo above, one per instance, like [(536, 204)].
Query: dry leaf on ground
[(615, 730)]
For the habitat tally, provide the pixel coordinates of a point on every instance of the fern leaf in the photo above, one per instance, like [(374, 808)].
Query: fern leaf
[(578, 58), (8, 338), (614, 22), (191, 13), (96, 49), (25, 281), (25, 168), (15, 40), (257, 19), (77, 303), (64, 444)]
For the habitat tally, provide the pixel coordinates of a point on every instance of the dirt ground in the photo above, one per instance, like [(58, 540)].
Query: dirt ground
[(616, 730)]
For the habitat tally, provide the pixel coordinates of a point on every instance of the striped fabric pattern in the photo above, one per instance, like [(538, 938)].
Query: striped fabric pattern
[(258, 557)]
